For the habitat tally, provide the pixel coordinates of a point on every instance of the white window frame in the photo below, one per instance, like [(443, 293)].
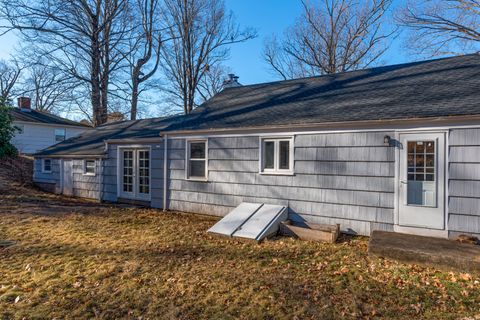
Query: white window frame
[(55, 134), (276, 157), (43, 165), (85, 173), (187, 160)]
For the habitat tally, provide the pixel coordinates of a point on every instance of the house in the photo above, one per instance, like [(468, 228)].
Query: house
[(390, 148), (39, 130)]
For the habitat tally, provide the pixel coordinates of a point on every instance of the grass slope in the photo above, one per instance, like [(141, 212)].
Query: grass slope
[(82, 260)]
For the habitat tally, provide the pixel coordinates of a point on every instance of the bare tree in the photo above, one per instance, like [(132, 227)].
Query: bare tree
[(143, 49), (212, 81), (9, 75), (82, 38), (331, 36), (201, 31), (48, 87), (440, 27)]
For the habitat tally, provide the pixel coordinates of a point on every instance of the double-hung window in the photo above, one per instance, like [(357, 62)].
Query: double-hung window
[(47, 165), (60, 135), (276, 155), (196, 160), (89, 167)]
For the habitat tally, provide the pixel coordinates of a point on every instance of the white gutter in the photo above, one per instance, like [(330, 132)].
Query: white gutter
[(165, 171)]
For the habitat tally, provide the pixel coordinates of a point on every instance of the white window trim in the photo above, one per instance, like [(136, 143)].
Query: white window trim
[(85, 173), (187, 159), (276, 170), (55, 135), (43, 165)]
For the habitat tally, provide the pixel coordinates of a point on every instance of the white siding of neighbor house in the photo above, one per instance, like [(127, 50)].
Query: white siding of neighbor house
[(345, 178), (464, 181), (36, 137)]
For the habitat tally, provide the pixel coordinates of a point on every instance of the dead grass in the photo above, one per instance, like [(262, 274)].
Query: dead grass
[(105, 262)]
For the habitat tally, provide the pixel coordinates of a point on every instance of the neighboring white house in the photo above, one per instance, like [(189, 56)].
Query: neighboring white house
[(40, 130)]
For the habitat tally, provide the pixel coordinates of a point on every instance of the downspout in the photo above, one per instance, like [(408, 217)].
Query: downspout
[(165, 171)]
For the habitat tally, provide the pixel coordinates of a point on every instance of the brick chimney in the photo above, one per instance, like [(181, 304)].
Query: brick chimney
[(24, 104), (231, 82)]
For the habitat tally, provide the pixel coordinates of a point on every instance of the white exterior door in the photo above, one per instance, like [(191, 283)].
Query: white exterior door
[(421, 201), (67, 177), (134, 165)]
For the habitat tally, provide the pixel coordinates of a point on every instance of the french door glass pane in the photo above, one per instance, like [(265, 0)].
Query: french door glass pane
[(144, 171), (269, 154), (421, 186), (284, 155), (128, 171)]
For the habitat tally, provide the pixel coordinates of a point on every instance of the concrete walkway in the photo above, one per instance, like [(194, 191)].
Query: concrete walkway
[(440, 253)]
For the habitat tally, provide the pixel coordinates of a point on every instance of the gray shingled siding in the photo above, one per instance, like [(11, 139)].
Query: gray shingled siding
[(345, 178), (42, 178), (86, 186), (464, 181)]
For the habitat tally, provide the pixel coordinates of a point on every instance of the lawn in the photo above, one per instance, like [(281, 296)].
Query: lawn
[(66, 258)]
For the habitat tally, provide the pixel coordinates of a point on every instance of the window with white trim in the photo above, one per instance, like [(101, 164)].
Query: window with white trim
[(89, 167), (276, 155), (60, 135), (47, 165), (197, 159)]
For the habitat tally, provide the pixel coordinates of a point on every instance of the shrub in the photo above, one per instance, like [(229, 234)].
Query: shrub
[(7, 130)]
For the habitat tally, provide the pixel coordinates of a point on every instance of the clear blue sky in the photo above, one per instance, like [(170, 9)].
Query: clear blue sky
[(267, 17)]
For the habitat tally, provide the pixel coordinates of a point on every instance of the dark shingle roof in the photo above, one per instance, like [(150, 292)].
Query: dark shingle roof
[(435, 88), (92, 142), (43, 117), (426, 89)]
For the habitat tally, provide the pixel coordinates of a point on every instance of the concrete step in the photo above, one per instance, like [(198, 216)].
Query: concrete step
[(439, 253)]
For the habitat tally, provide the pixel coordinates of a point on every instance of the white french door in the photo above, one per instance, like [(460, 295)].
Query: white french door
[(134, 169), (421, 201)]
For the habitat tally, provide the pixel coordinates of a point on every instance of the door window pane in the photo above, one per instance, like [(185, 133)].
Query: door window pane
[(421, 187), (144, 171), (128, 171), (284, 155)]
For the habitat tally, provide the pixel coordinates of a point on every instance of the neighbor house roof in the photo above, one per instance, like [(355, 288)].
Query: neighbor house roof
[(435, 88), (92, 142), (427, 89), (42, 118)]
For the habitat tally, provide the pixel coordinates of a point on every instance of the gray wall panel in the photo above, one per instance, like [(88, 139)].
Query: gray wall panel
[(464, 181), (338, 177)]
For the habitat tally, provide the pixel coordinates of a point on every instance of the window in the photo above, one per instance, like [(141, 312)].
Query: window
[(89, 167), (197, 159), (60, 135), (144, 171), (276, 156), (47, 165)]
